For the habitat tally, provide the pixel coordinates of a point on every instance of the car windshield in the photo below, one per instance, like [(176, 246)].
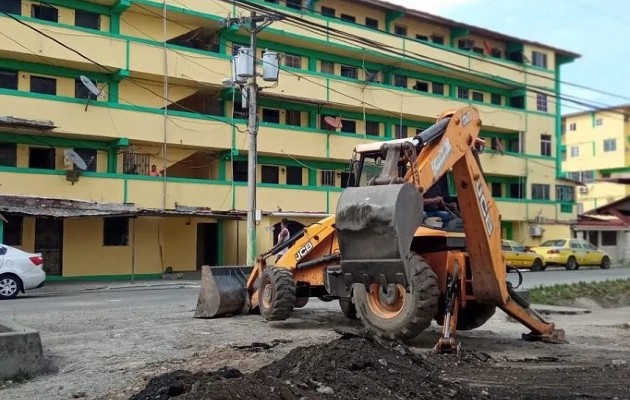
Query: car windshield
[(554, 243), (518, 247)]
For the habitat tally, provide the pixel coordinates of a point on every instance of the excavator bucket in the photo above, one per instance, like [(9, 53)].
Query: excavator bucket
[(375, 226), (222, 291)]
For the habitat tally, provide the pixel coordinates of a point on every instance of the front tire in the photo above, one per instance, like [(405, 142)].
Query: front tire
[(571, 264), (538, 265), (398, 314), (276, 294), (605, 264), (9, 286)]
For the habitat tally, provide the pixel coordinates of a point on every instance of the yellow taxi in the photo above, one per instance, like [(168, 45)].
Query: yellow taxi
[(516, 256), (572, 253)]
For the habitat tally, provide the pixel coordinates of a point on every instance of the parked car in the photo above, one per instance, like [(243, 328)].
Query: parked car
[(19, 271), (572, 253), (517, 256)]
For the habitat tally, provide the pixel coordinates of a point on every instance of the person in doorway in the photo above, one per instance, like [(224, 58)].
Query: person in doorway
[(283, 236), (154, 171)]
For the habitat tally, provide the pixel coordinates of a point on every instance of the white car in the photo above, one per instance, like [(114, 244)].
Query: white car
[(19, 271)]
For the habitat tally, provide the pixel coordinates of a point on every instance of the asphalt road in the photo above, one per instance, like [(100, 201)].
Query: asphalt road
[(555, 276)]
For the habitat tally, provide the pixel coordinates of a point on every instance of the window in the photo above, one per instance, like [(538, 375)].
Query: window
[(540, 191), (43, 85), (424, 38), (348, 18), (495, 99), (592, 237), (348, 126), (13, 230), (239, 171), (477, 96), (462, 92), (478, 50), (89, 156), (610, 145), (372, 128), (371, 75), (8, 155), (545, 145), (514, 145), (293, 117), (437, 39), (271, 116), (496, 144), (269, 174), (371, 23), (541, 102), (400, 131), (575, 151), (87, 19), (294, 176), (517, 191), (438, 88), (41, 158), (421, 86), (115, 231), (565, 193), (496, 53), (599, 122), (400, 80), (8, 79), (465, 44), (609, 238), (82, 92), (349, 72), (293, 61), (573, 126), (328, 178), (517, 102), (297, 4), (575, 244), (539, 59), (345, 180), (11, 7), (497, 189), (328, 11), (327, 67), (400, 30), (47, 13)]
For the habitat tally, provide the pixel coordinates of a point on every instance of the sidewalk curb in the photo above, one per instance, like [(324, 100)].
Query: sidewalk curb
[(56, 291), (548, 309)]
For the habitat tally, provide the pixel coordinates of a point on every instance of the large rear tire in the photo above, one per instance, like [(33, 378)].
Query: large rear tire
[(398, 314), (276, 294)]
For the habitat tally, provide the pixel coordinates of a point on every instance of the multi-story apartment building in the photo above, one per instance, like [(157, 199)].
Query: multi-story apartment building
[(595, 145), (160, 67)]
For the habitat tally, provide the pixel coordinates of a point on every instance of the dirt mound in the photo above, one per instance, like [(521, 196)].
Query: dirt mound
[(347, 368)]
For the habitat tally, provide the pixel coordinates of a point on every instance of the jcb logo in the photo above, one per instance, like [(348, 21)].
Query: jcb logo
[(304, 250), (485, 208)]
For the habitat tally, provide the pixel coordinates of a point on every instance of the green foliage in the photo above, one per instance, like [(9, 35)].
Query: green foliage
[(608, 294)]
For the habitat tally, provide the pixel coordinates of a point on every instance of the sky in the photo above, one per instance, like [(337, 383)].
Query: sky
[(597, 30)]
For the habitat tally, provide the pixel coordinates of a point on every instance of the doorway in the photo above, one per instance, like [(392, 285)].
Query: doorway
[(207, 244), (49, 242)]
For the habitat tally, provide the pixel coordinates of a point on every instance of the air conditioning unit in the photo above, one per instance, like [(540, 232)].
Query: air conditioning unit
[(583, 190), (535, 230)]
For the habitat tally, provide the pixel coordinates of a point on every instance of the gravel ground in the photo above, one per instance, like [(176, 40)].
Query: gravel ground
[(109, 345)]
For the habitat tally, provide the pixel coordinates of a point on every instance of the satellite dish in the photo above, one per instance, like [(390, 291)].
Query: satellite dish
[(334, 122), (75, 158), (90, 86)]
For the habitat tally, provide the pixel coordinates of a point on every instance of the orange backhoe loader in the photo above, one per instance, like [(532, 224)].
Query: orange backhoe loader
[(379, 258)]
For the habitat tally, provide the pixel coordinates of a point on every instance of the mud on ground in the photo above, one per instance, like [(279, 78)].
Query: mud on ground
[(363, 367)]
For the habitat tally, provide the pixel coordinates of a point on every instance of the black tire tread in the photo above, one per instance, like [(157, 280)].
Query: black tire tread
[(538, 265), (604, 264), (347, 308), (425, 296), (283, 298), (576, 266)]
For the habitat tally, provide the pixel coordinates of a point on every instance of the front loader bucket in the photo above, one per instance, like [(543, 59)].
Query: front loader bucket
[(222, 291), (375, 226)]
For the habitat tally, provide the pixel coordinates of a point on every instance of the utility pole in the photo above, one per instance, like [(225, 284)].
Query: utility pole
[(255, 24)]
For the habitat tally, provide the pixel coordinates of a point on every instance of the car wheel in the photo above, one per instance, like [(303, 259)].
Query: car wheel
[(9, 286), (605, 263), (537, 265), (571, 264)]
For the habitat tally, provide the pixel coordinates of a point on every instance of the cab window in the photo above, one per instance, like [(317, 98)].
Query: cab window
[(518, 247)]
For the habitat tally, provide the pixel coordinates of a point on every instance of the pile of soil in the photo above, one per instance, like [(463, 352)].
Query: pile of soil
[(369, 369), (347, 368)]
